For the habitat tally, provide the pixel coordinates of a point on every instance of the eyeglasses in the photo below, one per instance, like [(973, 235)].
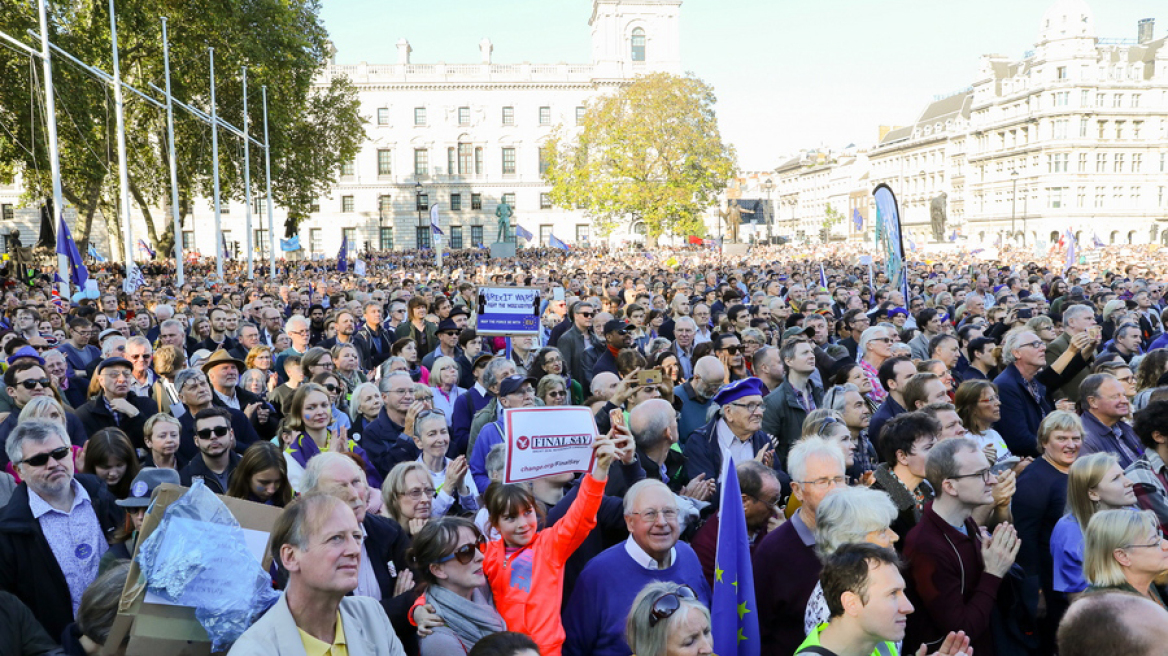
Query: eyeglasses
[(466, 553), (34, 383), (733, 349), (332, 388), (826, 481), (667, 604), (769, 503), (887, 340), (749, 407), (985, 474), (1035, 344), (1150, 545), (218, 431), (557, 393), (419, 492), (59, 454), (586, 315), (449, 333), (651, 515), (114, 375)]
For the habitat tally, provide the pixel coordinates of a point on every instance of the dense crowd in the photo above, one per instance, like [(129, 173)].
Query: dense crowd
[(975, 466)]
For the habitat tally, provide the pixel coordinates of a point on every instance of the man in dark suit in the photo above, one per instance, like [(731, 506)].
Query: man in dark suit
[(196, 394), (372, 340), (617, 336), (217, 458), (223, 372), (116, 406)]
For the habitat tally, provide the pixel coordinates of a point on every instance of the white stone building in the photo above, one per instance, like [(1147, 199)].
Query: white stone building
[(813, 182)]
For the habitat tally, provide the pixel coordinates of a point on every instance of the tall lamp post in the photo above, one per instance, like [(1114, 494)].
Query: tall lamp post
[(418, 206), (1014, 204), (769, 185)]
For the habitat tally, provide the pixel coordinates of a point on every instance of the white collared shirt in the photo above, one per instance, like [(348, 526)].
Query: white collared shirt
[(366, 579), (732, 446), (230, 401), (645, 560)]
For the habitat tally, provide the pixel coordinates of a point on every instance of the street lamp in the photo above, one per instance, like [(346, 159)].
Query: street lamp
[(769, 185), (418, 205), (1013, 203)]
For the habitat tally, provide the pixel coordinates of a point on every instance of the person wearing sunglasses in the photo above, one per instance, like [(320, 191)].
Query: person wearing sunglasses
[(26, 381), (618, 335), (954, 570), (576, 340), (448, 557), (728, 349), (667, 619), (217, 458), (115, 406), (55, 528)]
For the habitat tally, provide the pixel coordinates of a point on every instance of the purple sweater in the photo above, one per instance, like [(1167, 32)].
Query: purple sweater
[(786, 570)]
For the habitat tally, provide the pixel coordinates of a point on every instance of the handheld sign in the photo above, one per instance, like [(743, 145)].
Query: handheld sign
[(546, 441), (512, 311)]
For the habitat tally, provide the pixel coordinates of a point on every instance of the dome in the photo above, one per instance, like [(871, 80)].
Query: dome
[(1067, 19)]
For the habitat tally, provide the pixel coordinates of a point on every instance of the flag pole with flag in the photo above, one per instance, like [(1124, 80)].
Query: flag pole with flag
[(343, 255), (520, 231), (555, 242), (1070, 249), (436, 235), (66, 247), (733, 611), (822, 277)]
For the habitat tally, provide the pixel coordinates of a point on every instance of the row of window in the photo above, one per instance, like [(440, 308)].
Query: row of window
[(422, 203), (463, 160), (421, 117)]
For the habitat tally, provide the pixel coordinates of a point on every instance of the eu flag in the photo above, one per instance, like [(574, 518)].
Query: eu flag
[(78, 274), (554, 242), (343, 255), (520, 231), (734, 613)]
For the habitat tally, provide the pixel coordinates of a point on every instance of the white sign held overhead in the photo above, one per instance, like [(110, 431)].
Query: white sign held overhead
[(547, 441)]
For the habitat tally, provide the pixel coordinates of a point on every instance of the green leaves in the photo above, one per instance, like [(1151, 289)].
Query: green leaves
[(650, 152)]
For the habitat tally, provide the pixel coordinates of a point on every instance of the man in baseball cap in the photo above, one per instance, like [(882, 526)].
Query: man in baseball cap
[(618, 335)]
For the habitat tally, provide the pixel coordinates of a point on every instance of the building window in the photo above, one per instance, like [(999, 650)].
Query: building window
[(579, 116), (508, 161), (450, 165), (9, 212), (1055, 197), (1081, 200), (1057, 163), (476, 235), (543, 162), (582, 233), (384, 208), (383, 116), (1117, 101), (422, 236), (347, 169), (421, 162), (261, 241), (455, 237), (188, 237), (508, 116), (545, 233), (1060, 129), (1135, 197), (1082, 162), (1136, 127), (419, 116), (464, 159), (510, 200), (1137, 163), (1085, 98), (349, 235), (476, 201), (545, 115), (455, 202), (464, 115), (1118, 163), (1163, 161), (1100, 194), (1062, 72), (545, 201), (1083, 122), (346, 203), (315, 240), (384, 162), (1062, 98), (422, 203), (638, 45), (1135, 100), (386, 239), (1119, 125), (478, 161), (1101, 163)]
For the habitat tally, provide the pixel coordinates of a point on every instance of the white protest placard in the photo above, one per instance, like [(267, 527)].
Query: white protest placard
[(510, 311), (545, 441)]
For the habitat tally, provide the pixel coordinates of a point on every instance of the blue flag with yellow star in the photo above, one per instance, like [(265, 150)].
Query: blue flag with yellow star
[(734, 613)]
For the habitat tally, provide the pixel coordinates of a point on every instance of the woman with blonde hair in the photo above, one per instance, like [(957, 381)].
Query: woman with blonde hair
[(162, 434), (261, 358), (1125, 552), (347, 367), (408, 496), (1095, 483), (665, 616), (444, 389), (365, 407)]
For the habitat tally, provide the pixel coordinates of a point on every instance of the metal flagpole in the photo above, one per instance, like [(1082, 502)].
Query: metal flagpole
[(247, 176), (178, 242), (54, 160), (268, 194), (215, 172), (123, 168)]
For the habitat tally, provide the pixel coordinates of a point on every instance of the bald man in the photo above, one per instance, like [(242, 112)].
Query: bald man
[(695, 394)]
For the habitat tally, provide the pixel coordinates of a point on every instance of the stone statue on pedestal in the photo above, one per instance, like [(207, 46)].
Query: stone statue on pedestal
[(732, 215), (503, 211), (937, 215)]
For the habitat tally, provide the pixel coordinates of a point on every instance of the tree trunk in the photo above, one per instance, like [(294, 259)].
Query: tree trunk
[(85, 218), (145, 207)]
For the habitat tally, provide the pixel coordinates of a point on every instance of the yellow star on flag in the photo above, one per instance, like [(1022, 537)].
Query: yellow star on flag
[(742, 610), (718, 574), (740, 636)]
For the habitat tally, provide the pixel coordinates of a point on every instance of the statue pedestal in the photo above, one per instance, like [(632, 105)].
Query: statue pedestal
[(502, 249)]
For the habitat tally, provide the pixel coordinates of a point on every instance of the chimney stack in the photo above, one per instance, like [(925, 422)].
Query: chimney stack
[(1147, 27)]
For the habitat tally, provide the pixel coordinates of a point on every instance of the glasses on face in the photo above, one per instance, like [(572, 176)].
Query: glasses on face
[(769, 503), (59, 454), (206, 433), (651, 515), (668, 604), (419, 492), (34, 383), (466, 553), (115, 375), (750, 408), (298, 332), (586, 315), (827, 481), (1035, 344), (886, 340), (557, 394), (733, 349), (333, 389), (985, 474), (1151, 545)]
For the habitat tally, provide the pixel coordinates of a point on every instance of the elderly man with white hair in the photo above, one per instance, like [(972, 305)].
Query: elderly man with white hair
[(1076, 319), (298, 330), (594, 619)]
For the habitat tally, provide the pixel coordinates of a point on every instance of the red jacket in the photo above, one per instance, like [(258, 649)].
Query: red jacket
[(528, 584)]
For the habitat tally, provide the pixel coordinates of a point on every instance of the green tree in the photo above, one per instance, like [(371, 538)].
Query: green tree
[(284, 46), (831, 218), (650, 152)]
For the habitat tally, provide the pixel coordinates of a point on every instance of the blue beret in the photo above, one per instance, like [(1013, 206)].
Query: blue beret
[(740, 389), (897, 310)]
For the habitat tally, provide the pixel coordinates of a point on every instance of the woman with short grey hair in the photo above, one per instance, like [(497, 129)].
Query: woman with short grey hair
[(666, 620), (848, 515)]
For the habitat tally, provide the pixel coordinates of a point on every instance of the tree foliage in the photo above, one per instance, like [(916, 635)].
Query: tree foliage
[(284, 46), (650, 152), (831, 218)]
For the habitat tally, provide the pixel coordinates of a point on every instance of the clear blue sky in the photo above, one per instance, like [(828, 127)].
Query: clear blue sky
[(789, 74)]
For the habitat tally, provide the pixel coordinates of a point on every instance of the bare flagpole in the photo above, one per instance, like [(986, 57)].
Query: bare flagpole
[(178, 240), (247, 176), (54, 159), (268, 175), (215, 172), (123, 166)]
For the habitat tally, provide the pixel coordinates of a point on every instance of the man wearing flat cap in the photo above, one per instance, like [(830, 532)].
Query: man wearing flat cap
[(735, 431), (618, 335), (115, 406)]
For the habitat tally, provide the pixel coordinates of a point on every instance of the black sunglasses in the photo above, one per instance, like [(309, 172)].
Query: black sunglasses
[(466, 553), (34, 383), (448, 333), (39, 460), (668, 604), (332, 388), (733, 349), (218, 431)]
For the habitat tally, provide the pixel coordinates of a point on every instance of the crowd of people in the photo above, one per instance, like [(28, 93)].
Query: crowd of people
[(974, 462)]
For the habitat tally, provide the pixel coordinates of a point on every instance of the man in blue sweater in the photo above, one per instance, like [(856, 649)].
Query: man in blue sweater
[(594, 620)]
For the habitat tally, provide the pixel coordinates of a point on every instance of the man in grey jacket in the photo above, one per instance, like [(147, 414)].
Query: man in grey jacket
[(318, 541), (575, 341)]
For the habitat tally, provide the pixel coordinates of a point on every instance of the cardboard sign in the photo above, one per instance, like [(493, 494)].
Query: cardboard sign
[(510, 311), (546, 441)]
